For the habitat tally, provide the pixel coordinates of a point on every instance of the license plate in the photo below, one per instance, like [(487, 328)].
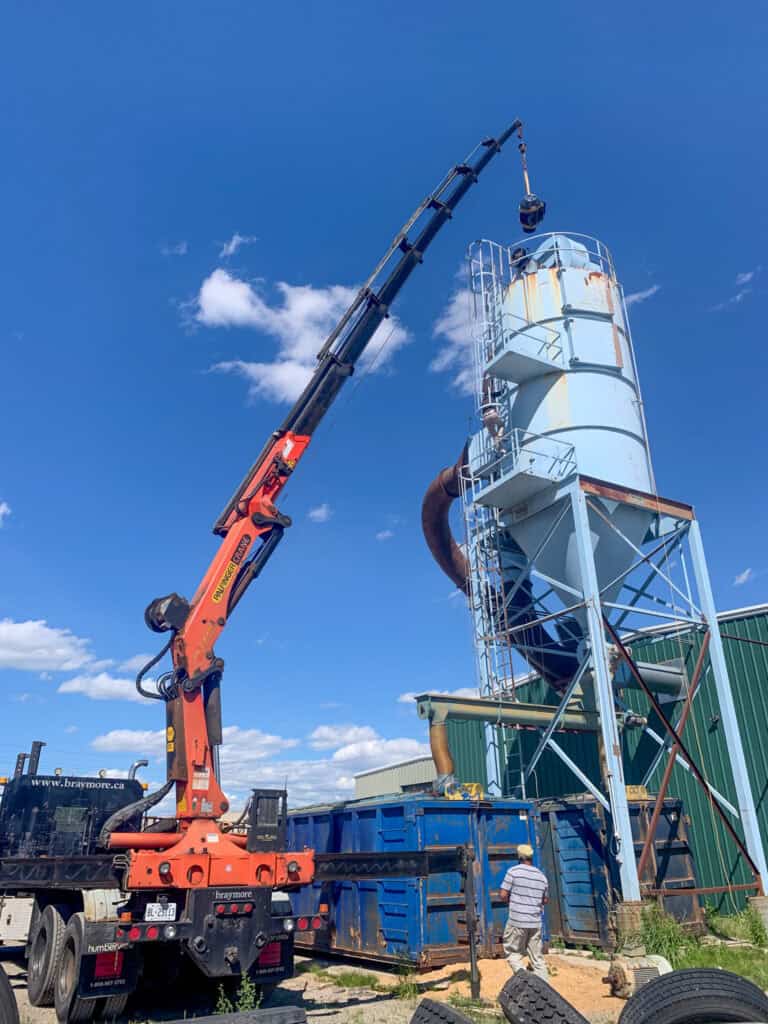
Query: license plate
[(160, 912)]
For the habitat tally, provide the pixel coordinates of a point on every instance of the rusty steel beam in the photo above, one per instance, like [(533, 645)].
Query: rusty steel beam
[(709, 890), (657, 807), (684, 751)]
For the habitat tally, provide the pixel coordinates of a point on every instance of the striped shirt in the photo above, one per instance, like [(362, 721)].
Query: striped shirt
[(528, 888)]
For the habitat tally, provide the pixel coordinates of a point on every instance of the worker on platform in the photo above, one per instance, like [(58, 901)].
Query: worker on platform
[(526, 890)]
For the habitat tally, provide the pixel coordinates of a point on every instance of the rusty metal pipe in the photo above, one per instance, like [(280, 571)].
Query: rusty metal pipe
[(435, 509), (441, 751), (551, 661), (440, 709)]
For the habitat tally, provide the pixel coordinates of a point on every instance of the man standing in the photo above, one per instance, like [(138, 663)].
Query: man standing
[(526, 890)]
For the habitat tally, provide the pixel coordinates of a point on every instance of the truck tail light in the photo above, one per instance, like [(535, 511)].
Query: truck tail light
[(302, 924), (153, 931), (134, 934), (317, 922)]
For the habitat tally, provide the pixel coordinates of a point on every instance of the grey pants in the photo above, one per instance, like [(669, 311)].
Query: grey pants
[(519, 941)]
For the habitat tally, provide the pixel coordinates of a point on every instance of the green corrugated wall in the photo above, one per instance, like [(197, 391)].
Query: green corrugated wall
[(717, 860)]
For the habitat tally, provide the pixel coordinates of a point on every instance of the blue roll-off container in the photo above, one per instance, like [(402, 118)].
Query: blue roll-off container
[(577, 857), (415, 920)]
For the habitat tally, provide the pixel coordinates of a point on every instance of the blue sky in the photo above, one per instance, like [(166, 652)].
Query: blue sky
[(188, 186)]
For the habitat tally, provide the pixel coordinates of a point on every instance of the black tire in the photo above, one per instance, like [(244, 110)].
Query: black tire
[(69, 1006), (528, 999), (9, 1010), (45, 945), (696, 996), (114, 1006), (430, 1012)]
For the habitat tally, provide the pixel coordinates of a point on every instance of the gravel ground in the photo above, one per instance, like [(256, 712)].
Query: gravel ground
[(577, 979)]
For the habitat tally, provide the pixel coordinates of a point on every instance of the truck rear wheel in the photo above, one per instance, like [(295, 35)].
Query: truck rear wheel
[(45, 944), (9, 1010), (69, 1006)]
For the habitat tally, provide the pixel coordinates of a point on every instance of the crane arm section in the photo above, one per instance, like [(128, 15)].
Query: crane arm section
[(251, 525)]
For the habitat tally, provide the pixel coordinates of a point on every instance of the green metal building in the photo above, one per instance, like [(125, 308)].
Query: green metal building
[(717, 860)]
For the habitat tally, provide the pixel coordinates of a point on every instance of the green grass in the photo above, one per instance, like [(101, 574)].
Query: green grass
[(476, 1009), (749, 963), (746, 926), (663, 936), (344, 979)]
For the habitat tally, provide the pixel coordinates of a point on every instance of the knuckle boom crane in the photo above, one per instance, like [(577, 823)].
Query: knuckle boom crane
[(198, 852)]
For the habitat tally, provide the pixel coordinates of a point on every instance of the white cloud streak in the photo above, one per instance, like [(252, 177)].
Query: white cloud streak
[(5, 511), (636, 297), (35, 646), (332, 737), (134, 663), (743, 577), (383, 535), (236, 241), (454, 327), (320, 513), (463, 691), (300, 320), (177, 249), (103, 686)]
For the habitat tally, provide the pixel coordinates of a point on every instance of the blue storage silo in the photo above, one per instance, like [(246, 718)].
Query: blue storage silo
[(410, 920)]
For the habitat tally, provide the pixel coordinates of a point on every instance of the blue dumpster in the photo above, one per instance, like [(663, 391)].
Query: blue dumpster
[(418, 921)]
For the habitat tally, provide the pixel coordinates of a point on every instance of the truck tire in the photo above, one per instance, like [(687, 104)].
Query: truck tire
[(45, 947), (430, 1012), (696, 996), (528, 999), (9, 1010), (114, 1006), (69, 1006)]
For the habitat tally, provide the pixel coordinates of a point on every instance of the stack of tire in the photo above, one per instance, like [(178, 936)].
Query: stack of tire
[(697, 996)]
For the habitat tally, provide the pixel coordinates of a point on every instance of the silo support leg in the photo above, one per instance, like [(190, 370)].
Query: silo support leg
[(744, 797), (617, 792)]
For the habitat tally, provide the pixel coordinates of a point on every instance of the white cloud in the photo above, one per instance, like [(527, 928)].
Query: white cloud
[(747, 276), (132, 741), (373, 753), (133, 664), (743, 577), (463, 691), (251, 758), (385, 535), (320, 513), (454, 326), (35, 646), (5, 511), (300, 321), (175, 249), (332, 737), (635, 297), (70, 730), (735, 300), (230, 248), (103, 686)]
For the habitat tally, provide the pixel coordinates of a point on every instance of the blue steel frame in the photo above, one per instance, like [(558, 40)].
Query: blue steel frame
[(666, 535)]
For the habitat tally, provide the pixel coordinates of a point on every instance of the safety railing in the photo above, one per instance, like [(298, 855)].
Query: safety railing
[(520, 451), (509, 331)]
